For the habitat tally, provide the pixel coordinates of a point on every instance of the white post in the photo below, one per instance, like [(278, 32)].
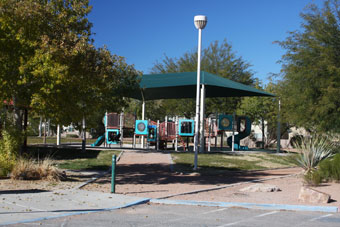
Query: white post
[(58, 134), (210, 131), (143, 118), (49, 127), (134, 140), (105, 124), (157, 135), (278, 129), (202, 147), (176, 128), (121, 121), (40, 126), (166, 132), (84, 135), (233, 136), (200, 23), (197, 97)]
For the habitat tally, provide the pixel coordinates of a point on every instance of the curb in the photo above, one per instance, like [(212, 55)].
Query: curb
[(138, 202), (328, 209)]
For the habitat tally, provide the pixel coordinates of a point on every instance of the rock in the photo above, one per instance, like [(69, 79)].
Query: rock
[(195, 174), (261, 188), (313, 196)]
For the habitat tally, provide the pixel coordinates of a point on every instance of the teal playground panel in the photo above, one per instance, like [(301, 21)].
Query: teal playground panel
[(141, 127), (186, 127)]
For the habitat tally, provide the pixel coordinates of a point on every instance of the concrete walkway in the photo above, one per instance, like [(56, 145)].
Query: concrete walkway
[(40, 205)]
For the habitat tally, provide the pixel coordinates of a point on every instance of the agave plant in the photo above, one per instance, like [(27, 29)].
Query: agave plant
[(313, 150)]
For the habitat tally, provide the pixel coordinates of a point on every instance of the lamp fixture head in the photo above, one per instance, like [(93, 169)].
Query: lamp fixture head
[(200, 21)]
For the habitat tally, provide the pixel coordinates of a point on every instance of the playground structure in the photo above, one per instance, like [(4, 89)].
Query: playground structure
[(174, 130), (180, 130), (115, 124)]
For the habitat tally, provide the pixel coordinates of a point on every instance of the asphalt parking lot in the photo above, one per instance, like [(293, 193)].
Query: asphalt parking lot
[(181, 215)]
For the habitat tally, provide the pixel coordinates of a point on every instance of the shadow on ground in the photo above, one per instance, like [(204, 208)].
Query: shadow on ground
[(161, 174), (24, 191)]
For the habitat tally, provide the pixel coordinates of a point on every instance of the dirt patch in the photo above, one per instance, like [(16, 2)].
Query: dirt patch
[(72, 180), (147, 174)]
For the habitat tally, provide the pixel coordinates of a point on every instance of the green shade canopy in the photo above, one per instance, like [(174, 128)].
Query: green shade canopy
[(183, 85)]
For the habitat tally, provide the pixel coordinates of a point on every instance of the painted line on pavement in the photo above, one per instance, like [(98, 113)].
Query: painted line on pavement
[(265, 214), (328, 209), (318, 218), (248, 219), (213, 211), (138, 202)]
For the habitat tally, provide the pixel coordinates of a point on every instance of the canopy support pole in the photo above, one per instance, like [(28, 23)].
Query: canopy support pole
[(143, 118), (176, 128), (233, 136), (157, 143), (202, 147)]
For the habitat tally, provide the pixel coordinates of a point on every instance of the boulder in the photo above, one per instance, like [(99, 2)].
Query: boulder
[(313, 196), (261, 188)]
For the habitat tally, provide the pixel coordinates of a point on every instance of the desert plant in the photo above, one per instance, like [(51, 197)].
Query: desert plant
[(28, 169), (313, 150), (10, 143), (330, 168)]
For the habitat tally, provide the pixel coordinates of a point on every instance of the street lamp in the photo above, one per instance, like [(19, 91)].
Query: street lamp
[(200, 23)]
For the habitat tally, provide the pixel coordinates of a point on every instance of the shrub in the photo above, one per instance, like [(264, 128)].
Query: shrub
[(28, 169), (313, 150), (312, 178), (330, 168), (9, 148)]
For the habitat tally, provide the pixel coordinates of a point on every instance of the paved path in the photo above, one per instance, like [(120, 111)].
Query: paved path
[(39, 205)]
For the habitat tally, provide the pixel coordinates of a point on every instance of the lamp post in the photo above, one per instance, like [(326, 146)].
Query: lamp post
[(200, 23), (278, 141)]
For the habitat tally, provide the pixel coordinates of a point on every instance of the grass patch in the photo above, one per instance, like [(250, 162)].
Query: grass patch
[(217, 162), (102, 161), (73, 158), (53, 140)]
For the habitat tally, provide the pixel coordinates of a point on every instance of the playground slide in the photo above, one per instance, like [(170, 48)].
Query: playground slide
[(240, 135), (99, 141)]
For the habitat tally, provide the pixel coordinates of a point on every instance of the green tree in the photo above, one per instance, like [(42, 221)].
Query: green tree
[(311, 70), (263, 111), (217, 58), (49, 64)]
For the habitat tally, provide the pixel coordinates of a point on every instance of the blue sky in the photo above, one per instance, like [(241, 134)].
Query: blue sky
[(144, 31)]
